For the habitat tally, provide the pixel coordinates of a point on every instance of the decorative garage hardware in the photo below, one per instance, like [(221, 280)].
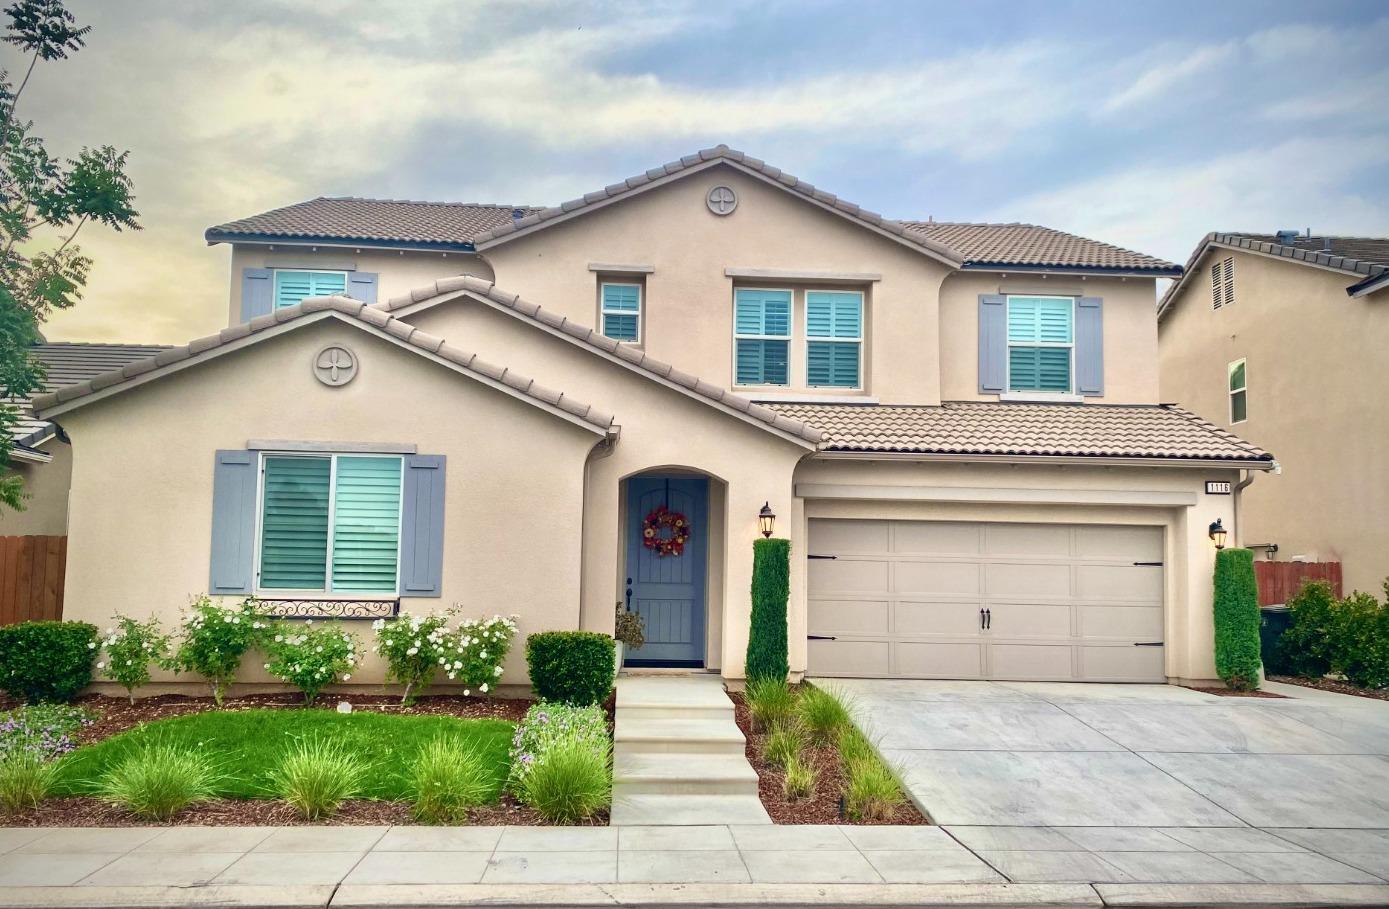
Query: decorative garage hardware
[(1217, 534), (332, 609), (821, 557), (1147, 564), (766, 520), (986, 619), (821, 637), (1218, 487), (335, 365), (1147, 643), (721, 200)]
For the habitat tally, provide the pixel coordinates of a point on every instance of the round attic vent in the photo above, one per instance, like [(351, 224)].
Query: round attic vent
[(335, 365), (721, 200)]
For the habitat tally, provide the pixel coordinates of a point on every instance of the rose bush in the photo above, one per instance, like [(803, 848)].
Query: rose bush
[(476, 651), (129, 649), (216, 637), (414, 647), (311, 657)]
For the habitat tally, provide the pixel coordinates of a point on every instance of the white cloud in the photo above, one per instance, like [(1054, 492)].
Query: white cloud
[(1163, 77)]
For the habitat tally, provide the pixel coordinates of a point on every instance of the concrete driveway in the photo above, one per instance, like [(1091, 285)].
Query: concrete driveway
[(1023, 754)]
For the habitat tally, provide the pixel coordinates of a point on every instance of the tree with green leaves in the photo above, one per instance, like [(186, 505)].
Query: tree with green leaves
[(45, 201)]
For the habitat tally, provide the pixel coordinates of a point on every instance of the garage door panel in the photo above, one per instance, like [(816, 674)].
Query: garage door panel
[(936, 618), (834, 576), (1013, 620), (863, 658), (940, 660), (848, 537), (849, 617), (1027, 539), (1137, 544), (936, 578), (1136, 623), (1030, 661), (936, 538), (1118, 582), (1122, 663), (1020, 579)]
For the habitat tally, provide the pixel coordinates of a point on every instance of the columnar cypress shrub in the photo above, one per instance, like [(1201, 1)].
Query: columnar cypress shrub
[(771, 588), (1236, 619)]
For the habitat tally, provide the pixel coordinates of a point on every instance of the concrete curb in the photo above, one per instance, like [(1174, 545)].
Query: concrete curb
[(1220, 896), (240, 897)]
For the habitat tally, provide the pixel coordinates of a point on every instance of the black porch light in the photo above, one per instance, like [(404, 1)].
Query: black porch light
[(766, 520), (1217, 533)]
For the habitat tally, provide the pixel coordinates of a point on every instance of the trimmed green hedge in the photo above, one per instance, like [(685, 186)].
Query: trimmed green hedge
[(47, 661), (1347, 637), (1236, 619), (572, 667), (771, 588)]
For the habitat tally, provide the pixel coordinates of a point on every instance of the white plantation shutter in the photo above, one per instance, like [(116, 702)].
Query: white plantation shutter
[(366, 524)]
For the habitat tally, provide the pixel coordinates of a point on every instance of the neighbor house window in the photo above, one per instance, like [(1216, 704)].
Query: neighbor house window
[(292, 287), (1041, 342), (1222, 283), (761, 336), (1239, 392), (330, 523), (834, 338), (621, 311)]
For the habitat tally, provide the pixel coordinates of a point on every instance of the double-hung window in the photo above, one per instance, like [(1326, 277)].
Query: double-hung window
[(761, 336), (330, 523), (292, 287), (621, 311), (1239, 392), (834, 333), (1041, 344)]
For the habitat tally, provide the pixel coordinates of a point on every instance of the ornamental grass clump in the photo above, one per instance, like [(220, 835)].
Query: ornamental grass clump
[(447, 778), (25, 781), (800, 779), (316, 776), (824, 716), (871, 792), (783, 744), (215, 638), (414, 649), (158, 781), (475, 652), (561, 761), (311, 657), (130, 648), (770, 703)]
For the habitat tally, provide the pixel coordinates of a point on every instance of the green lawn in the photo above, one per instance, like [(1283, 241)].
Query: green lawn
[(245, 746)]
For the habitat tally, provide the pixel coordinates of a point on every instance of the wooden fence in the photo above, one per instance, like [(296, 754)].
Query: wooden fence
[(31, 578), (1279, 582)]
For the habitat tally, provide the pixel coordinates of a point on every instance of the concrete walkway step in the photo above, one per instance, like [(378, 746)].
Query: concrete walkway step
[(677, 734), (683, 774), (687, 810)]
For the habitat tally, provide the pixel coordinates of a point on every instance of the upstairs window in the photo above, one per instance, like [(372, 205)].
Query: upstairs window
[(621, 311), (1239, 392), (293, 287), (762, 336), (1041, 342), (1222, 283), (330, 524), (834, 332)]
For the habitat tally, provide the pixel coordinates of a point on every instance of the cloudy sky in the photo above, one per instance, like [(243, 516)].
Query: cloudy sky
[(1145, 125)]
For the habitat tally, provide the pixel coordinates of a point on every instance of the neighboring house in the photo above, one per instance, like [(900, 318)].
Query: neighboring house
[(1282, 338), (41, 454), (956, 425)]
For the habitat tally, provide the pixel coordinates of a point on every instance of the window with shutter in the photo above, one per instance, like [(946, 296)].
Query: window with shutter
[(834, 332), (1041, 344), (330, 524), (1239, 391), (762, 336), (621, 315), (1223, 282), (293, 287)]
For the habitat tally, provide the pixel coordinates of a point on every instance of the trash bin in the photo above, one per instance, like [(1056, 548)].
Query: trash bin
[(1273, 621)]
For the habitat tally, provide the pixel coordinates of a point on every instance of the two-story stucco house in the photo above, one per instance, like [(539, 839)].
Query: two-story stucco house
[(1282, 339), (416, 405)]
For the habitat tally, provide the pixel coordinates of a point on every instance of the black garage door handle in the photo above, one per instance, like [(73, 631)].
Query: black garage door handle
[(821, 637)]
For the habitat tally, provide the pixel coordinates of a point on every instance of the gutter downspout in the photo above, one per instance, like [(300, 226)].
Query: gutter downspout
[(603, 449), (1234, 517)]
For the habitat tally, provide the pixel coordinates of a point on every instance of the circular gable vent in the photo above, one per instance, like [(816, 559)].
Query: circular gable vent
[(721, 200)]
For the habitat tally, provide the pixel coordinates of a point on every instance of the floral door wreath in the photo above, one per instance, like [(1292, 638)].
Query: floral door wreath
[(654, 536)]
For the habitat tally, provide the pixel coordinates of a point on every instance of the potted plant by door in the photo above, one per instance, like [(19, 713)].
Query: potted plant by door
[(629, 631)]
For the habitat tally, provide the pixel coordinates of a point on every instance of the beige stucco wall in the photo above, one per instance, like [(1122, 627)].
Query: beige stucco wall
[(661, 429), (1190, 558), (689, 301), (1316, 368), (398, 271), (1130, 331), (46, 510), (139, 541)]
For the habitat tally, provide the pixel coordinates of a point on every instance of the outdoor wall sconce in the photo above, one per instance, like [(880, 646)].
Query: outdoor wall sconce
[(766, 520), (1217, 533)]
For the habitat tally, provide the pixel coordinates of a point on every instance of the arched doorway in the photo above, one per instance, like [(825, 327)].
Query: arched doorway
[(669, 590)]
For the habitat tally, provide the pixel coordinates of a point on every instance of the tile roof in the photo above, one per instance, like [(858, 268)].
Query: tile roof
[(624, 353), (992, 245), (449, 225), (1367, 256), (349, 308), (1157, 432)]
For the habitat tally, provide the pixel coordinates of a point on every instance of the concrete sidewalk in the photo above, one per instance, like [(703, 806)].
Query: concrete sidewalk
[(717, 865)]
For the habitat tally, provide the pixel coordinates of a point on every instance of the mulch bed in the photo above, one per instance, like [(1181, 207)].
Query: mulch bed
[(1231, 693), (1336, 685), (822, 807)]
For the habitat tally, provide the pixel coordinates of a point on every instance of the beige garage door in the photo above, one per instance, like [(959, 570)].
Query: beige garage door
[(939, 600)]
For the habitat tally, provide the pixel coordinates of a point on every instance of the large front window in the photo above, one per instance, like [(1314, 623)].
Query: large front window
[(293, 287), (762, 336), (330, 523), (1041, 344)]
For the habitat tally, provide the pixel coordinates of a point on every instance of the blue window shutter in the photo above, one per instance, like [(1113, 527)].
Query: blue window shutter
[(361, 285), (422, 527), (1090, 346), (257, 293), (233, 522), (993, 343)]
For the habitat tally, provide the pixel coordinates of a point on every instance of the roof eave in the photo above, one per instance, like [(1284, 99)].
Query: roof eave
[(1050, 460), (1372, 284), (213, 236), (1168, 271)]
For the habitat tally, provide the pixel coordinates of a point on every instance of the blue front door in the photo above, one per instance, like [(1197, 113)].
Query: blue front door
[(668, 591)]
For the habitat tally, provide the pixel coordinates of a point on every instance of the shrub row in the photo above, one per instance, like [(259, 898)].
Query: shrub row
[(1348, 637)]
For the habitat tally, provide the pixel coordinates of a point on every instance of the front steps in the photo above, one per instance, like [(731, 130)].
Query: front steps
[(678, 755)]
